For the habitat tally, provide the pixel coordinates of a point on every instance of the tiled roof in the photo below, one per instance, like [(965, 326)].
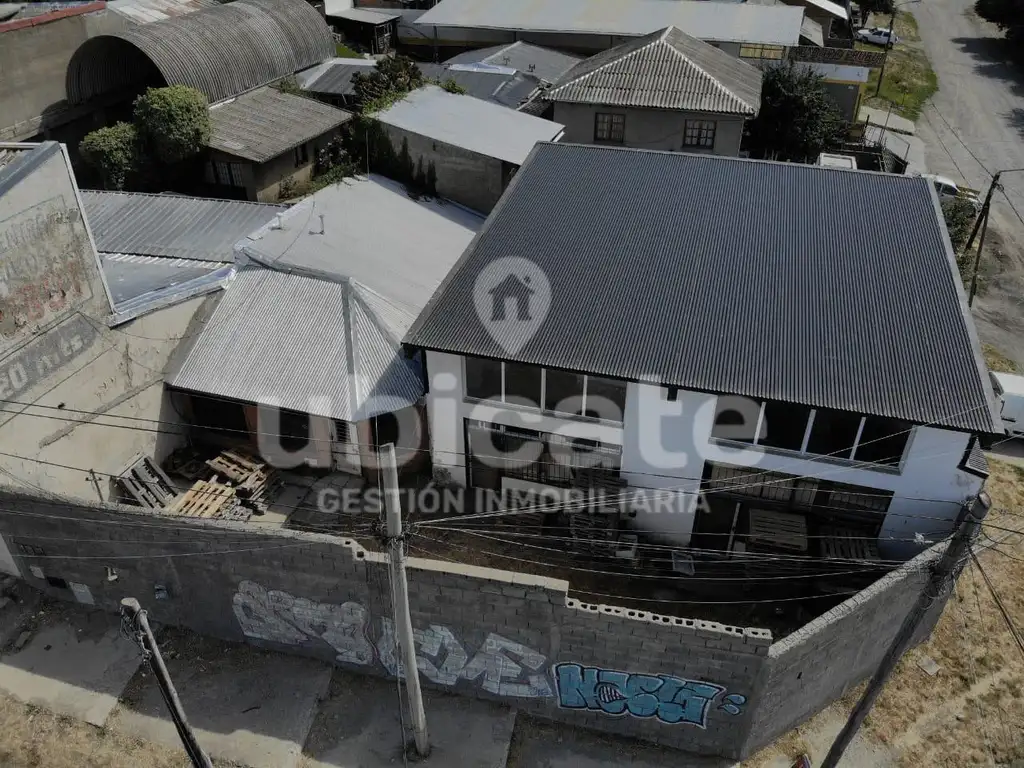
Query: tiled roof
[(193, 228), (790, 282), (265, 123), (544, 63), (664, 70)]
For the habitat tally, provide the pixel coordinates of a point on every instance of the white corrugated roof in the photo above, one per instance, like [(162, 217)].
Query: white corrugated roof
[(715, 21), (363, 15), (469, 123)]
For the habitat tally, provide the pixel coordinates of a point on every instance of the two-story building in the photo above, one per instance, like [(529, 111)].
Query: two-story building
[(666, 90), (797, 375)]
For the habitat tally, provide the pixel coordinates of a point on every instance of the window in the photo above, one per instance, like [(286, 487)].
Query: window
[(834, 433), (699, 133), (609, 128), (761, 52), (883, 441), (301, 155), (522, 383), (783, 425), (225, 174), (483, 378), (606, 398), (564, 392)]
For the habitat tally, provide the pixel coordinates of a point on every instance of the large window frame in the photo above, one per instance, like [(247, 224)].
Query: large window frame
[(609, 128), (699, 134), (582, 412), (860, 421)]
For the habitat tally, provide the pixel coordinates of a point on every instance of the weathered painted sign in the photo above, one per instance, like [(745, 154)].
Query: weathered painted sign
[(21, 371)]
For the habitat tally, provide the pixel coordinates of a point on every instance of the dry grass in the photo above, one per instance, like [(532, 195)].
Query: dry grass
[(997, 361), (36, 738), (970, 713), (909, 79)]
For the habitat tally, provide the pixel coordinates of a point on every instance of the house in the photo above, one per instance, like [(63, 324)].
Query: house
[(546, 64), (737, 375), (302, 360), (376, 31), (665, 90), (590, 26), (265, 142), (156, 250), (331, 81), (472, 147)]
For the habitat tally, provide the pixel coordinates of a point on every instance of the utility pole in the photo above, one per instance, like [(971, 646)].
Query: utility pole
[(983, 215), (977, 257), (969, 523), (134, 617), (888, 43), (403, 621)]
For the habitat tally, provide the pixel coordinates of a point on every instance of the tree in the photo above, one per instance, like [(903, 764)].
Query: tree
[(173, 123), (392, 78), (113, 152), (876, 6), (1008, 15), (798, 119), (959, 214)]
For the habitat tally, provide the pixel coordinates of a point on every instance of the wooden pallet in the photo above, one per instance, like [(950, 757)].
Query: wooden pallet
[(205, 499)]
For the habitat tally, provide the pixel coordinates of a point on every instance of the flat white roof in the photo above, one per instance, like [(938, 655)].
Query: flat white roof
[(715, 21), (473, 124)]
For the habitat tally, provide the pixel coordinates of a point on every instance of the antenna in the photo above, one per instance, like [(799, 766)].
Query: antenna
[(506, 60)]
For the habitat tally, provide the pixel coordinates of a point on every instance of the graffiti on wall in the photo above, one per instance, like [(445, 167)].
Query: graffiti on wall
[(499, 666), (671, 700)]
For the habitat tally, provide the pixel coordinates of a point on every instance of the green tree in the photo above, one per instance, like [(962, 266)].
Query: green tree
[(392, 78), (113, 152), (798, 119), (959, 215), (173, 123), (451, 86), (1008, 15), (876, 6)]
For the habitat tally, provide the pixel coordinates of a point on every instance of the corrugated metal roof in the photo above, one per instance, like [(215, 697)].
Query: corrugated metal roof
[(299, 343), (375, 234), (130, 276), (364, 15), (545, 63), (719, 22), (975, 460), (147, 11), (834, 9), (193, 228), (812, 31), (221, 51), (471, 124), (507, 89), (265, 123), (664, 70), (792, 282)]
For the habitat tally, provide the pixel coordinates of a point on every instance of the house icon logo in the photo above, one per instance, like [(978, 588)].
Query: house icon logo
[(512, 297)]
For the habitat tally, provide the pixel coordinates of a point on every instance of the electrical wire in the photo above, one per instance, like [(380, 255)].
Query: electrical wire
[(1014, 632)]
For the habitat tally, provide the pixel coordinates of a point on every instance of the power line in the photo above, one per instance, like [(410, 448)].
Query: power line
[(1014, 632)]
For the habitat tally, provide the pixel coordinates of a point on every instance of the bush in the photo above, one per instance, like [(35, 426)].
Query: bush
[(173, 122), (960, 215), (113, 152)]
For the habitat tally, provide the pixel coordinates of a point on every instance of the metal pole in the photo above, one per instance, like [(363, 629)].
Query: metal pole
[(403, 621), (888, 46), (131, 609), (956, 552), (977, 260)]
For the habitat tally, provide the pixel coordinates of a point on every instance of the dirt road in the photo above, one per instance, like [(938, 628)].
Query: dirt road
[(973, 127)]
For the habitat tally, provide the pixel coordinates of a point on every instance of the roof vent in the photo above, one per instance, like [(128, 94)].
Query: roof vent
[(277, 222)]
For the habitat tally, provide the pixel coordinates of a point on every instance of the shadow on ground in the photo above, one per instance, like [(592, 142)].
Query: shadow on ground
[(994, 58)]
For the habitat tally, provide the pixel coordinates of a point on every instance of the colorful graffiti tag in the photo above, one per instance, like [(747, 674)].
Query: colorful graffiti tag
[(670, 699)]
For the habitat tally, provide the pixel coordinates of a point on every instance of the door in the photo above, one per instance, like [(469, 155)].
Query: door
[(345, 447)]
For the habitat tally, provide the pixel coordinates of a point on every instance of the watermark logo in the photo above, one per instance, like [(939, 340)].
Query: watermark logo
[(512, 297)]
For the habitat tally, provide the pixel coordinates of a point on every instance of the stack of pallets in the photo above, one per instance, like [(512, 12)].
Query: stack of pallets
[(207, 498), (240, 486)]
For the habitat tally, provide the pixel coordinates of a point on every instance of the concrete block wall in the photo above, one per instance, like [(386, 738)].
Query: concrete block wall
[(495, 634)]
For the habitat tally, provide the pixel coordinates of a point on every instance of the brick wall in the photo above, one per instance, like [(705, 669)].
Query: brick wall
[(495, 634)]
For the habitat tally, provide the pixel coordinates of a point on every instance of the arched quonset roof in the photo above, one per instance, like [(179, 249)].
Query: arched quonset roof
[(221, 51)]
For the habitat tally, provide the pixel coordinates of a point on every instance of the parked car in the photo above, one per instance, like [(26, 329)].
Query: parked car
[(948, 189), (878, 36), (1010, 391)]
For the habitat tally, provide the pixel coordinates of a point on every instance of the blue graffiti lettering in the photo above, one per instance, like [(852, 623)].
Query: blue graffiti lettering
[(671, 699)]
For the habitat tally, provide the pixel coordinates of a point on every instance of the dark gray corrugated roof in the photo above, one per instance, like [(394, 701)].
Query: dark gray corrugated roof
[(265, 123), (507, 89), (664, 70), (221, 51), (191, 228), (545, 63), (797, 283), (975, 460)]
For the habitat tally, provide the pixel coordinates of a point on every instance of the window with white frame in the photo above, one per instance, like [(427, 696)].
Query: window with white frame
[(548, 389), (813, 431), (699, 134)]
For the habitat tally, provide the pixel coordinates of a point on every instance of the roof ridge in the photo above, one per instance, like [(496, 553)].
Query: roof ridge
[(604, 66), (720, 85)]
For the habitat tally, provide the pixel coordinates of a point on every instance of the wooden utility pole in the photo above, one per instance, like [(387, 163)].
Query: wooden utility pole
[(134, 617), (403, 621), (958, 549), (977, 257)]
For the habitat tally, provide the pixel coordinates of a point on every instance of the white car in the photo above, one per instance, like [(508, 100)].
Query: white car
[(878, 36), (948, 189)]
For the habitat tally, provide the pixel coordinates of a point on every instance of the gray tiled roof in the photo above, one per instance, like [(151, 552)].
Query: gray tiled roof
[(798, 283), (193, 228), (545, 63), (505, 88), (301, 343), (720, 22), (265, 123), (664, 70)]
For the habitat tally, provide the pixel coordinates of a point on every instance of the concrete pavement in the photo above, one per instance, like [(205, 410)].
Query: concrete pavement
[(973, 127)]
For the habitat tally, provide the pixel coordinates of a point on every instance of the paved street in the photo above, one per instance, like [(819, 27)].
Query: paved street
[(973, 126)]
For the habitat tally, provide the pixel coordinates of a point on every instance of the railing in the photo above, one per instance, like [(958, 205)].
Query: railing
[(849, 57)]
